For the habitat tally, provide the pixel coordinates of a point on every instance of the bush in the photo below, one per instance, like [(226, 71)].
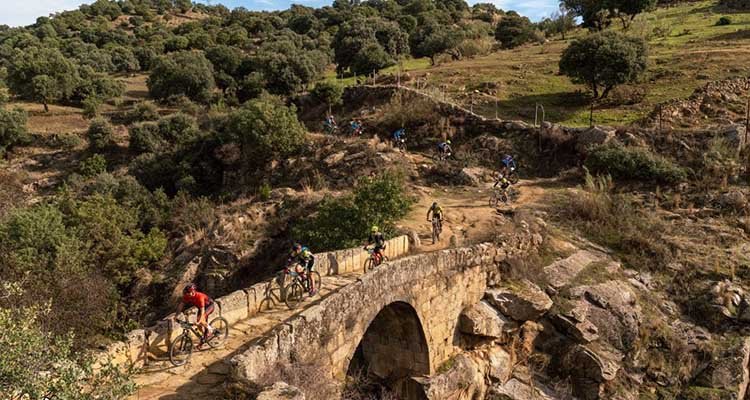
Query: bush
[(12, 129), (634, 163), (265, 128), (67, 141), (145, 137), (144, 111), (514, 30), (724, 21), (328, 92), (93, 165), (186, 73), (604, 60), (345, 221), (100, 134), (178, 128), (35, 362), (91, 106)]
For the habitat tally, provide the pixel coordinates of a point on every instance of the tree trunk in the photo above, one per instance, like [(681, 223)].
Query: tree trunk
[(606, 91), (46, 107)]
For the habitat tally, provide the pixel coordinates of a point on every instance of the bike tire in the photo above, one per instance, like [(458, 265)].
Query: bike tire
[(317, 281), (504, 198), (294, 294), (513, 178), (368, 265), (434, 234), (221, 326), (180, 350)]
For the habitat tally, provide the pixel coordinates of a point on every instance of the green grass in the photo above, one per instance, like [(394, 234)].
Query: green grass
[(687, 50)]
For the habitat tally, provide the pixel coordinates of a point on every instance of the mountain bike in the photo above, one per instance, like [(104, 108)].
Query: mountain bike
[(374, 260), (299, 285), (513, 176), (330, 129), (498, 195), (181, 347), (437, 229), (400, 143)]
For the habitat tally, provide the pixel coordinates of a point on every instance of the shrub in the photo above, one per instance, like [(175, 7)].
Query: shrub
[(93, 165), (178, 128), (724, 21), (35, 362), (514, 30), (100, 134), (91, 106), (144, 111), (12, 129), (345, 221), (634, 163), (145, 137), (328, 92), (604, 60), (186, 73)]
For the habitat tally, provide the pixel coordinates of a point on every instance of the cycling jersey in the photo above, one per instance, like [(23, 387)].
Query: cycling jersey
[(378, 239), (199, 300)]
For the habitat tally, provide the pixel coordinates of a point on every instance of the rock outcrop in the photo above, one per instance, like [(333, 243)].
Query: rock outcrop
[(281, 391), (482, 319), (524, 301)]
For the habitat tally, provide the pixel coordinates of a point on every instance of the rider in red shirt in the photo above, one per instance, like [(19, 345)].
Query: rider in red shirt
[(205, 305)]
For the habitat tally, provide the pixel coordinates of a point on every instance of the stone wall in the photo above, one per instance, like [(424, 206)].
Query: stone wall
[(238, 305), (437, 286)]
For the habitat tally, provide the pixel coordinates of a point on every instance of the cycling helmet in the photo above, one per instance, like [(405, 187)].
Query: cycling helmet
[(448, 142), (374, 229), (296, 246), (434, 204), (189, 287)]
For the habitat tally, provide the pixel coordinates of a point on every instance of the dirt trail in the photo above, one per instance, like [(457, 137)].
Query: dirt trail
[(468, 216)]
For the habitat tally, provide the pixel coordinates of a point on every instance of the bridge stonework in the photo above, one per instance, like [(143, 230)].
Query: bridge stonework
[(400, 319)]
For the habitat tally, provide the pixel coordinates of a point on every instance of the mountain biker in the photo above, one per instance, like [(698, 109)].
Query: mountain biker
[(508, 165), (330, 122), (303, 256), (445, 148), (398, 134), (205, 305), (437, 212), (377, 238), (502, 181), (355, 126)]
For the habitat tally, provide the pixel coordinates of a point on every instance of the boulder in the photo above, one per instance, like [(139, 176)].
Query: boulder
[(524, 301), (734, 200), (281, 391), (334, 158), (514, 389), (591, 366), (475, 175), (464, 380), (729, 370), (614, 311), (734, 135), (575, 323), (482, 319), (593, 137), (500, 364), (562, 272), (414, 239)]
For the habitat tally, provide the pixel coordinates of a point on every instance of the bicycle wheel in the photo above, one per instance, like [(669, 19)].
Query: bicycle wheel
[(434, 233), (504, 198), (317, 281), (513, 178), (180, 350), (294, 294), (493, 200), (368, 265), (221, 332)]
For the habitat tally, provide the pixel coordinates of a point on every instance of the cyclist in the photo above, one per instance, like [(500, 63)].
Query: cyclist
[(397, 136), (355, 127), (508, 165), (437, 212), (205, 305), (502, 181), (444, 148), (304, 257), (378, 239), (330, 123)]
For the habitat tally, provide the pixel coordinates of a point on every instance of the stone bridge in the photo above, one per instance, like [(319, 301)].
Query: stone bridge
[(397, 322)]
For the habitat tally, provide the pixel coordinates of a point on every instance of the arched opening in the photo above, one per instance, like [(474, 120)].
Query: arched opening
[(392, 350)]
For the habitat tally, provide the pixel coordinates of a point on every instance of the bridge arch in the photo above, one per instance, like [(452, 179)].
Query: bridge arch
[(393, 348)]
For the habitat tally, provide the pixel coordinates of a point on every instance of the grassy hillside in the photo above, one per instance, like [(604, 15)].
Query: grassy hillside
[(687, 50)]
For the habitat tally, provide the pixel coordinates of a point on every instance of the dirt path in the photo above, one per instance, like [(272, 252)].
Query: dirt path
[(468, 216)]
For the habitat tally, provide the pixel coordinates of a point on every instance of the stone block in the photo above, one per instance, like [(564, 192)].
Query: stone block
[(522, 302), (234, 306)]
